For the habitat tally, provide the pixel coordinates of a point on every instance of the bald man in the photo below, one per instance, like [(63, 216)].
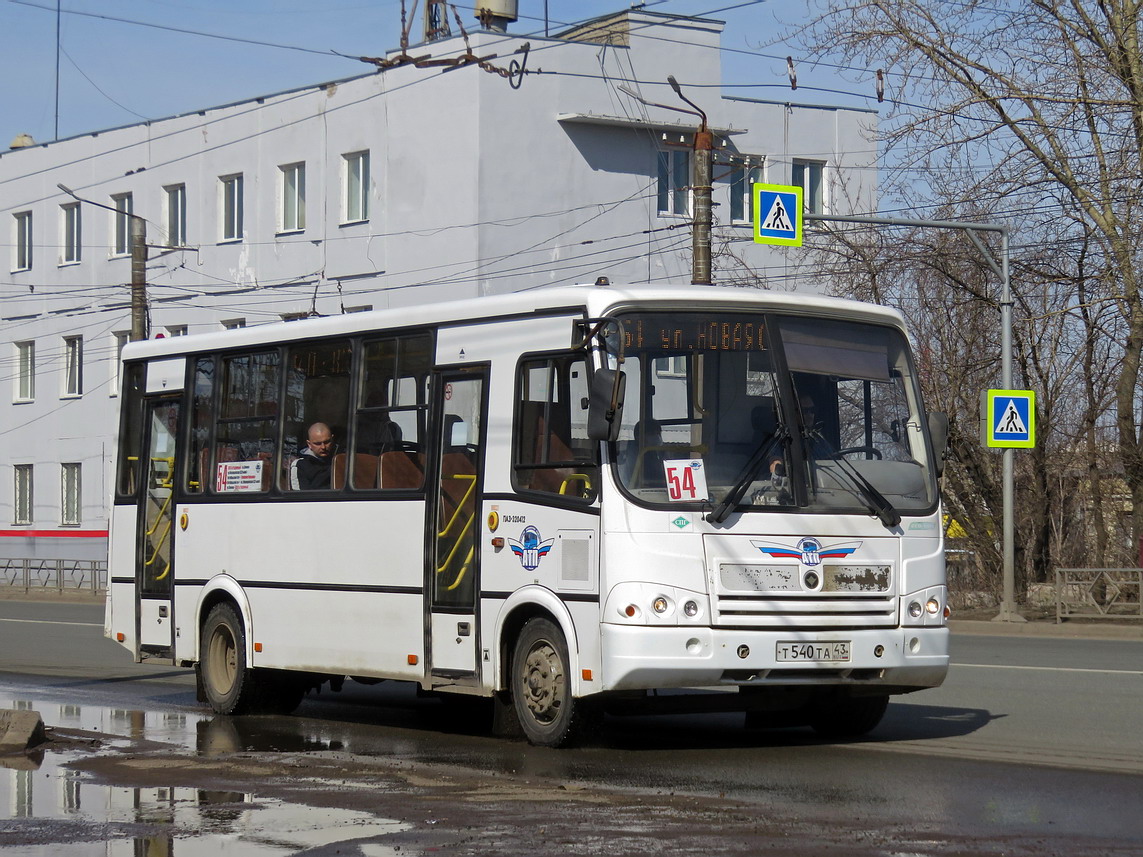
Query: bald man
[(314, 464)]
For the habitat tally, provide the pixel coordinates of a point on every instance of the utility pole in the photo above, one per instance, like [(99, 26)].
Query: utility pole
[(138, 278), (138, 240), (701, 188), (700, 182)]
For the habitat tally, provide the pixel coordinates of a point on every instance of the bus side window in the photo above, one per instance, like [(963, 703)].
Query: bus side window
[(317, 391), (199, 472), (551, 450), (392, 405), (130, 432), (246, 430)]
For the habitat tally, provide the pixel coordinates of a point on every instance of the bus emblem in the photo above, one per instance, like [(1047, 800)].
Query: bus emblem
[(531, 548), (809, 550)]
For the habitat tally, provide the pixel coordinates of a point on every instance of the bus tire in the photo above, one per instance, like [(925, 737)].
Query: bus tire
[(230, 685), (846, 716), (548, 714)]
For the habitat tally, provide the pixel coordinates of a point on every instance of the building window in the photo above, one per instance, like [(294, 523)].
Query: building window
[(808, 176), (124, 205), (233, 323), (73, 366), (70, 505), (22, 239), (71, 232), (231, 207), (176, 215), (292, 213), (26, 371), (22, 499), (674, 181), (741, 174), (119, 338), (356, 187), (176, 330)]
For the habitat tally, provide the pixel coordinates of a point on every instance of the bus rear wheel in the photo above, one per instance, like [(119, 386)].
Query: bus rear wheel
[(232, 686), (541, 687)]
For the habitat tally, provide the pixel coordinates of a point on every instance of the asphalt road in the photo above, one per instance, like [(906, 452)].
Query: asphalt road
[(1034, 745)]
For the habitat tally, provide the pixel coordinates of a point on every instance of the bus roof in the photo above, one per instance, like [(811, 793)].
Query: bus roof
[(594, 300)]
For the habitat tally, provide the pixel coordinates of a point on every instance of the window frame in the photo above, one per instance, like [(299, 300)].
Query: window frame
[(71, 494), (22, 226), (814, 198), (175, 198), (72, 381), (23, 494), (123, 209), (674, 182), (71, 233), (355, 183), (25, 372), (292, 198), (231, 208), (119, 339)]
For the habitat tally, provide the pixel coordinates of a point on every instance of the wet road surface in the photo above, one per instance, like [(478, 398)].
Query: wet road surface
[(991, 763)]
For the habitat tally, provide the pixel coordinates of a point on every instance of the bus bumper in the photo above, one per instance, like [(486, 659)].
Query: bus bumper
[(898, 660)]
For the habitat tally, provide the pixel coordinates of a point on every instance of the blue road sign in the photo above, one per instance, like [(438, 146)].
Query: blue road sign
[(778, 214), (1010, 419)]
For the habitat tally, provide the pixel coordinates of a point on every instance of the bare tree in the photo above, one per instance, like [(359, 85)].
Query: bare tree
[(1032, 112)]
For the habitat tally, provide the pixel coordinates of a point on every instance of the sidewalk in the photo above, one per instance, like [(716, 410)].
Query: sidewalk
[(1071, 629)]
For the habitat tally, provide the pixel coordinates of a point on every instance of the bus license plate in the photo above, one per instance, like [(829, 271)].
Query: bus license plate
[(834, 650)]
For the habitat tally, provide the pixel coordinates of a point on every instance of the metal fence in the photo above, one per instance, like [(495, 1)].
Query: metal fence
[(1099, 593), (53, 575)]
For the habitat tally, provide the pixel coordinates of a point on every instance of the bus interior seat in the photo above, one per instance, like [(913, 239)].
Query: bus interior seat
[(397, 470), (364, 470)]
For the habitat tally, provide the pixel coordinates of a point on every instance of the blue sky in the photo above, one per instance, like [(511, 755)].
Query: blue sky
[(112, 72)]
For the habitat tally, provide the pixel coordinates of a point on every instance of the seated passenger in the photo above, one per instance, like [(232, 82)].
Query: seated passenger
[(314, 464)]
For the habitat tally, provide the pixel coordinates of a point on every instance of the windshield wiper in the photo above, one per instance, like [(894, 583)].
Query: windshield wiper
[(745, 479), (875, 501)]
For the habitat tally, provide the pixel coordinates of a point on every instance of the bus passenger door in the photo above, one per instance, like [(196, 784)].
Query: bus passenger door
[(155, 556), (454, 561)]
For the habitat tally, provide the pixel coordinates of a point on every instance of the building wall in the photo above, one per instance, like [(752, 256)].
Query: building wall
[(476, 188)]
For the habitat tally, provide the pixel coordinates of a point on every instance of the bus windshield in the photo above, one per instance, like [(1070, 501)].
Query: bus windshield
[(758, 411)]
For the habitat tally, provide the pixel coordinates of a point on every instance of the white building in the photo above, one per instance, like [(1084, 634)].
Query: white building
[(404, 185)]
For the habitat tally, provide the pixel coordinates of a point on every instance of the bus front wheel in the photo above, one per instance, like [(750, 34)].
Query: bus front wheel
[(231, 686), (541, 687)]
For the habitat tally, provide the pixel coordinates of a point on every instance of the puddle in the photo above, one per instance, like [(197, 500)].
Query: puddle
[(66, 815)]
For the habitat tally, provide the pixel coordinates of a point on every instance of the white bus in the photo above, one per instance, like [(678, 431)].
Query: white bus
[(563, 500)]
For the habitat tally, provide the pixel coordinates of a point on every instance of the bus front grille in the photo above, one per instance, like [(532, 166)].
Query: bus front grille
[(805, 611)]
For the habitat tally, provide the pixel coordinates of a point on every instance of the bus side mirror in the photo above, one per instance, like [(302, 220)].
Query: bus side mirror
[(939, 432), (605, 404)]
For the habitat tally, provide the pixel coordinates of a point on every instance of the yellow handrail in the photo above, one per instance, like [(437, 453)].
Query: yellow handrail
[(577, 477), (465, 529), (163, 514)]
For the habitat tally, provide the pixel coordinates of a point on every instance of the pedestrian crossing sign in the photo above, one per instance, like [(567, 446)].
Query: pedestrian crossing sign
[(778, 214), (1010, 419)]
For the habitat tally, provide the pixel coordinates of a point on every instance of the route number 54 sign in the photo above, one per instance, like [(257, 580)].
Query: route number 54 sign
[(686, 480)]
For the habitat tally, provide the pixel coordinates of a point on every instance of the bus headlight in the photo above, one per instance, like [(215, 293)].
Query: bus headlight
[(661, 605), (933, 607), (691, 609), (915, 609)]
